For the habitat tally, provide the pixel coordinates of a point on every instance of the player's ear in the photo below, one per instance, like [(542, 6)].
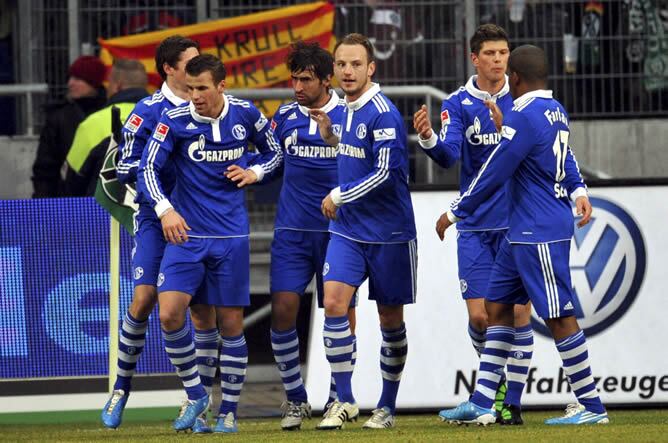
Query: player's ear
[(327, 81), (371, 69), (474, 59), (221, 86)]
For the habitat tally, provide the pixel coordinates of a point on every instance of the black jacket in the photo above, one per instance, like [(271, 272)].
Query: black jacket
[(61, 123)]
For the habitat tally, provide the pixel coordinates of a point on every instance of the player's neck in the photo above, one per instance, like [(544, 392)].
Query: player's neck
[(181, 93), (217, 108), (489, 86), (322, 101), (352, 98)]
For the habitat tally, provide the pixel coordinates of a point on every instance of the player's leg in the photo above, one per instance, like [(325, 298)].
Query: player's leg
[(207, 346), (552, 296), (181, 274), (228, 277), (344, 271), (475, 260), (505, 289), (146, 256), (233, 364), (518, 365), (392, 284), (291, 271)]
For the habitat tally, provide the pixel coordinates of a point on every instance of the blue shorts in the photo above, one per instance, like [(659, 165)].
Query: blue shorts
[(539, 273), (147, 251), (223, 264), (476, 251), (295, 257), (390, 267)]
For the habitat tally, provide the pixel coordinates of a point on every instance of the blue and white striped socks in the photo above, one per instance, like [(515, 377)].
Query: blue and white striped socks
[(492, 361), (233, 363), (519, 361), (332, 381), (477, 339), (206, 350), (339, 350), (181, 351), (393, 351), (574, 355), (130, 346), (285, 345)]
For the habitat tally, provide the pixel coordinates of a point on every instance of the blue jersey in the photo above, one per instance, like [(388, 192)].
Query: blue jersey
[(468, 132), (137, 132), (201, 149), (373, 195), (310, 166), (535, 155)]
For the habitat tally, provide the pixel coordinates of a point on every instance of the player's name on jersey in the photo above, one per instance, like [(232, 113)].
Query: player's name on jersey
[(312, 151), (555, 116), (196, 153), (351, 151)]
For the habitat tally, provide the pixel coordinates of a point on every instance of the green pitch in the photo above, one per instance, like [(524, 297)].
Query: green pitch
[(154, 426)]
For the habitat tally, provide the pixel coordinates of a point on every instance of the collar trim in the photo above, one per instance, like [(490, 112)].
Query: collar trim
[(169, 95), (538, 93), (364, 98), (331, 104), (203, 119), (472, 89)]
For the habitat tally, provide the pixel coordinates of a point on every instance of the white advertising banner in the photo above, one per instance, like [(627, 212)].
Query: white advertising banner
[(620, 276)]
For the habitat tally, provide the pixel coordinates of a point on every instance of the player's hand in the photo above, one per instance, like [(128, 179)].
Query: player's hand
[(324, 126), (583, 208), (422, 123), (328, 208), (442, 224), (240, 175), (174, 227), (497, 115)]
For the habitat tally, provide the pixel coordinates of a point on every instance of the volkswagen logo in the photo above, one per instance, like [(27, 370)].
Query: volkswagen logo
[(608, 263)]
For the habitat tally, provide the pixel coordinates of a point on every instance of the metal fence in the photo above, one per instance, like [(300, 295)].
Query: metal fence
[(609, 58)]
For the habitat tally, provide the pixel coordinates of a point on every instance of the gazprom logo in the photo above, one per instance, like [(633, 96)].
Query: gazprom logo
[(608, 262)]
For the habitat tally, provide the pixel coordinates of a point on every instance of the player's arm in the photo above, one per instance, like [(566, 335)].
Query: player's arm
[(386, 159), (134, 136), (324, 126), (576, 188), (444, 148), (500, 166), (153, 160), (270, 157)]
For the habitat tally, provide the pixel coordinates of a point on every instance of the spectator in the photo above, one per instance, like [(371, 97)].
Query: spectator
[(85, 95), (127, 85)]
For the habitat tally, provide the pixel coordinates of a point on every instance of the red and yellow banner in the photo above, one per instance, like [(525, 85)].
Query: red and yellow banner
[(253, 47)]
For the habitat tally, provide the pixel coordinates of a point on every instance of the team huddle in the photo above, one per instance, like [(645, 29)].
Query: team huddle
[(344, 216)]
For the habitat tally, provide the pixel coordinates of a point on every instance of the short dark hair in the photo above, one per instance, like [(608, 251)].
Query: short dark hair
[(357, 39), (169, 51), (207, 62), (529, 63), (131, 73), (310, 57), (487, 33)]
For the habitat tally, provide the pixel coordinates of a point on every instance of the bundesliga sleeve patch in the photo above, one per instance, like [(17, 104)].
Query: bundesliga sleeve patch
[(507, 132), (273, 124), (261, 123), (161, 132), (384, 134), (133, 123), (445, 117)]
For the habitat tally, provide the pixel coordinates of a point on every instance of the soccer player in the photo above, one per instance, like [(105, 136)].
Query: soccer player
[(301, 231), (469, 133), (206, 223), (171, 57), (535, 161), (373, 230)]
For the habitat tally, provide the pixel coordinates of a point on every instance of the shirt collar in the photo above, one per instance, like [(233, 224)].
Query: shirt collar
[(202, 119), (538, 93), (364, 98), (169, 95), (472, 89), (331, 104)]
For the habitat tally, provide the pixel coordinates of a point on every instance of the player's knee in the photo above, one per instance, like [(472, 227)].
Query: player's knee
[(143, 301), (390, 317), (522, 314), (170, 319), (478, 320), (335, 305)]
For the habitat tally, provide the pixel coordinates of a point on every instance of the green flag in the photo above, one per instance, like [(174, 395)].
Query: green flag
[(111, 194)]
